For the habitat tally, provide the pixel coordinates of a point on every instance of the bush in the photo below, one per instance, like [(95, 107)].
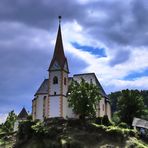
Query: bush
[(74, 122), (75, 144), (25, 131), (53, 132), (39, 129), (115, 133), (115, 118), (105, 121), (99, 120), (123, 125)]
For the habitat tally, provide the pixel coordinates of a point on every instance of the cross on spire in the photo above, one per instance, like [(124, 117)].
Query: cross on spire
[(60, 17)]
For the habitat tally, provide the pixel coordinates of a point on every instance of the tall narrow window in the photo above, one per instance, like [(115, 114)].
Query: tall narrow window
[(103, 107), (55, 80), (44, 102), (64, 81), (90, 81)]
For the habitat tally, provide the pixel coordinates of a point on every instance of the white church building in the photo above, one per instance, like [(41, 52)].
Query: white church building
[(50, 100)]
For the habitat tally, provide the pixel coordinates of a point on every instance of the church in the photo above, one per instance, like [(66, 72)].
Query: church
[(50, 100)]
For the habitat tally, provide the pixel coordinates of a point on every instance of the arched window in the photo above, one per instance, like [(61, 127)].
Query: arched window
[(55, 80)]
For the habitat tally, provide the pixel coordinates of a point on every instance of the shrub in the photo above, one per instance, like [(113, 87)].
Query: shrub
[(74, 122), (133, 133), (123, 125), (99, 120), (39, 129), (24, 130), (115, 133), (53, 132), (105, 121), (75, 144)]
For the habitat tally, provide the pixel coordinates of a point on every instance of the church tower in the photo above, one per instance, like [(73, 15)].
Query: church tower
[(58, 80)]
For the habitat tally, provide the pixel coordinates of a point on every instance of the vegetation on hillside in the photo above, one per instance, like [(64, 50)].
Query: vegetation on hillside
[(6, 130), (8, 125), (73, 133)]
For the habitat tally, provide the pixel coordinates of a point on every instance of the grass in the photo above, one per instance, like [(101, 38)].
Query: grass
[(134, 142)]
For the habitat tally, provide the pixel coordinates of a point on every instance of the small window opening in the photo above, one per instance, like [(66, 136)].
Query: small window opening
[(90, 81), (55, 80)]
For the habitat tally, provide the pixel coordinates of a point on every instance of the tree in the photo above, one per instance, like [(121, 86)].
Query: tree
[(83, 97), (130, 104), (114, 98), (9, 123)]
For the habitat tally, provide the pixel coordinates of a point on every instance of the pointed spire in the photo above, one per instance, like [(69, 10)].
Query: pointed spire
[(59, 55)]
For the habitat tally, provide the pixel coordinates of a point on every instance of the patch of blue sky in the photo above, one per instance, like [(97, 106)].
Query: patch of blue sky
[(100, 52), (137, 74)]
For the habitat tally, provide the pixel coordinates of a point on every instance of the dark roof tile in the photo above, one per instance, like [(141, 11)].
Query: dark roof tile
[(23, 114)]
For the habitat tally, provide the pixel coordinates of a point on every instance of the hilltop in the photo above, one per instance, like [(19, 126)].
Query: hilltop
[(60, 133)]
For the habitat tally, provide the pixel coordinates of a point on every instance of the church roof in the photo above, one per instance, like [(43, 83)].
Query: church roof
[(23, 114), (97, 82), (43, 89), (59, 55)]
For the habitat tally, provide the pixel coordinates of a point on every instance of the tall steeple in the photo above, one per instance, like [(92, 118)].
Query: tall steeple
[(58, 79), (58, 56)]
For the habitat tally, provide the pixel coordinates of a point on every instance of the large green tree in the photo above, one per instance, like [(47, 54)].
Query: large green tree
[(82, 97), (130, 104)]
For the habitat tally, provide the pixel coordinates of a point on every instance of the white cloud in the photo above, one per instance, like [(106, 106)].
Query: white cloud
[(109, 76), (3, 117)]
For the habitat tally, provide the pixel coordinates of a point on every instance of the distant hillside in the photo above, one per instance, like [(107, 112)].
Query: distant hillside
[(115, 95)]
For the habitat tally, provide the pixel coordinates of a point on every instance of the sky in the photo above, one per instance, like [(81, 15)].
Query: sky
[(108, 37)]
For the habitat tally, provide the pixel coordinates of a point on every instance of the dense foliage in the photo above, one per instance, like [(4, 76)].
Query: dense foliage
[(127, 104), (82, 97), (58, 132), (9, 123), (114, 96)]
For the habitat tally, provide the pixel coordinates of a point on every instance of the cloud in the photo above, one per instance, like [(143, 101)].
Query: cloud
[(24, 59), (27, 36), (3, 117), (39, 14), (120, 57)]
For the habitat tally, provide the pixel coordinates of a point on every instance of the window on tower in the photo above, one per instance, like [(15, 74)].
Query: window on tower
[(55, 80), (64, 81)]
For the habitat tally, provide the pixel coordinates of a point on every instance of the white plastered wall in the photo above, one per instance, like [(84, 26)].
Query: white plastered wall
[(108, 110), (102, 107), (54, 87), (54, 109), (39, 106)]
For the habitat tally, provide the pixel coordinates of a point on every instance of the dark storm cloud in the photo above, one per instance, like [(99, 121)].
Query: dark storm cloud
[(41, 13), (21, 70), (125, 23), (23, 63)]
